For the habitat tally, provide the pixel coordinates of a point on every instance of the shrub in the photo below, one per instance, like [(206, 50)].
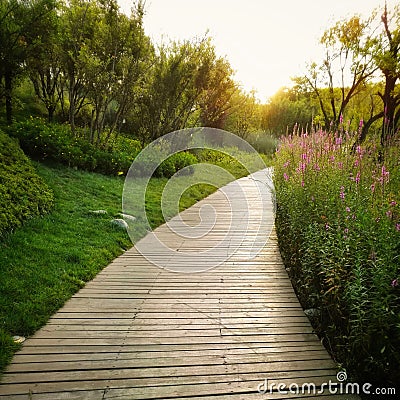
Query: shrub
[(56, 142), (338, 222), (150, 160), (23, 194), (263, 142)]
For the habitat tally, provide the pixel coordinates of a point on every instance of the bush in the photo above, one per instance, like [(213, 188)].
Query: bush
[(263, 142), (150, 160), (338, 223), (56, 142), (23, 194)]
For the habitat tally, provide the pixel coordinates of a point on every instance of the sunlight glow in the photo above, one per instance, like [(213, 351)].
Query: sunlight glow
[(265, 41)]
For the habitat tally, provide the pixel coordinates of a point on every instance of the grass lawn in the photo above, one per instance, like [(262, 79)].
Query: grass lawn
[(46, 261)]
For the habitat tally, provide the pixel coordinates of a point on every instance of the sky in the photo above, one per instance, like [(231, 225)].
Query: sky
[(265, 41)]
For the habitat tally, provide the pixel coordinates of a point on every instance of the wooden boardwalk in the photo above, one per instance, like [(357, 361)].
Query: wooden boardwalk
[(138, 331)]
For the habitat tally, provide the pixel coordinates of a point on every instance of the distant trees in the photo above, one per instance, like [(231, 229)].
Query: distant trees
[(287, 111), (94, 67)]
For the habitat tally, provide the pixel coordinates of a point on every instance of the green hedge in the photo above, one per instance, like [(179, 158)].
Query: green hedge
[(23, 194), (56, 142)]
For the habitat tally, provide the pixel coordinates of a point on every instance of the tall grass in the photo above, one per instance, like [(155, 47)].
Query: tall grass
[(338, 221)]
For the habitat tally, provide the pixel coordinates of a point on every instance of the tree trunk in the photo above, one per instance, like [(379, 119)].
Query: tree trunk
[(72, 105), (389, 103), (50, 110), (8, 94)]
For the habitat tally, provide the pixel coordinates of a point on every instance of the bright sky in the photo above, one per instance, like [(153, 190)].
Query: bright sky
[(265, 41)]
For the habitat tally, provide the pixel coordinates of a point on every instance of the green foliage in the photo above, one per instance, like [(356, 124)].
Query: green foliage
[(263, 142), (23, 24), (338, 223), (287, 110), (23, 194), (56, 142), (175, 163)]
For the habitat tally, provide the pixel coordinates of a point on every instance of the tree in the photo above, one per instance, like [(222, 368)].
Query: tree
[(348, 64), (174, 93), (215, 101), (112, 62), (44, 65), (22, 25), (387, 56), (244, 114), (287, 110)]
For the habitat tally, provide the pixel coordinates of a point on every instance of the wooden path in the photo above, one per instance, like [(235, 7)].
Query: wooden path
[(138, 331)]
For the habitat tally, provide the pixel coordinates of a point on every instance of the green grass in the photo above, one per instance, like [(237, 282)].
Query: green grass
[(46, 261)]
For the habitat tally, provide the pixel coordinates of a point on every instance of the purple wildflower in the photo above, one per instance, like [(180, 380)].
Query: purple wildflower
[(394, 283), (286, 176)]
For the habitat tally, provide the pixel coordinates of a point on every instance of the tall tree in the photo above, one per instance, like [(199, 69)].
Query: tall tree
[(44, 65), (180, 74), (348, 64), (22, 25)]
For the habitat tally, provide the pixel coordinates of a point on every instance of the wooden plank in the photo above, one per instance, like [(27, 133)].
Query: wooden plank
[(144, 386), (24, 360), (222, 369)]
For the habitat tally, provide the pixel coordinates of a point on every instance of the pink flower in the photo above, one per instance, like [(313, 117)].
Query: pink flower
[(393, 203), (302, 183), (317, 168), (398, 227), (341, 118), (346, 231), (357, 162), (286, 164), (394, 283), (361, 123), (372, 188), (384, 175), (389, 214), (286, 176), (304, 156), (327, 227), (338, 141), (358, 149), (357, 178), (348, 209), (340, 165), (342, 195)]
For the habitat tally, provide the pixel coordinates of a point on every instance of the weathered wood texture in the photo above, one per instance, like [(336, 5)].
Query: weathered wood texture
[(138, 331)]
